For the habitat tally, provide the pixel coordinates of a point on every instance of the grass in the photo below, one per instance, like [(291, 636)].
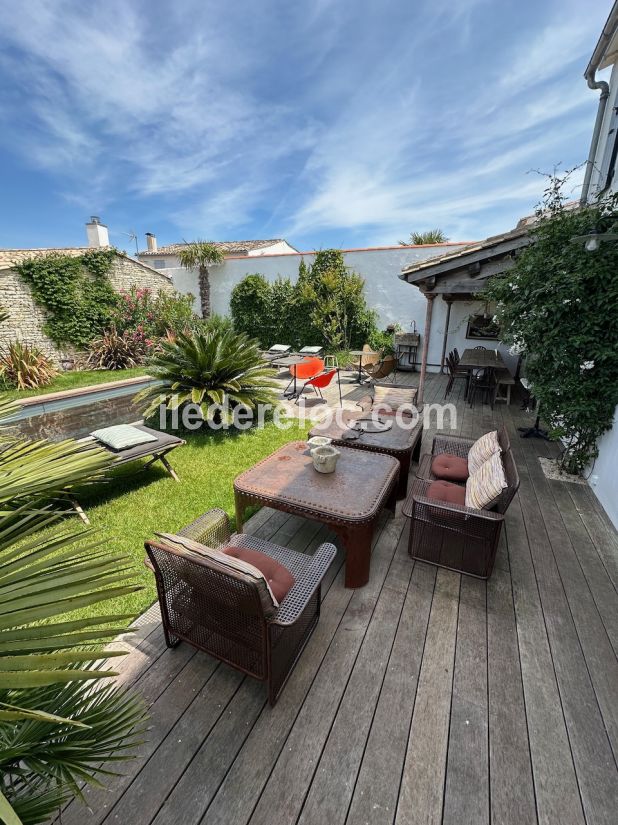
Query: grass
[(133, 505), (76, 378)]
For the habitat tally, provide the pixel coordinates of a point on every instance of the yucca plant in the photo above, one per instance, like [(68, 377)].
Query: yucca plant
[(25, 366), (57, 725), (209, 366)]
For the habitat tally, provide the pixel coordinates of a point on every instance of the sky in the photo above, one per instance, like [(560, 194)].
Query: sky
[(330, 123)]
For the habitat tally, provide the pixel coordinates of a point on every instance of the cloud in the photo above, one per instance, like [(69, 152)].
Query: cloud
[(365, 120)]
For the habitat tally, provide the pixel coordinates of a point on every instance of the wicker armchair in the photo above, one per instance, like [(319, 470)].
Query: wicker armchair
[(224, 616), (452, 535), (454, 445)]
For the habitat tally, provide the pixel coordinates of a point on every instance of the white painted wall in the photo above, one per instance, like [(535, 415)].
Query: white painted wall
[(394, 300)]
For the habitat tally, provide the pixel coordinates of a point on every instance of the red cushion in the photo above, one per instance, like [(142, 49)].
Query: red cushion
[(278, 577), (450, 467), (447, 491)]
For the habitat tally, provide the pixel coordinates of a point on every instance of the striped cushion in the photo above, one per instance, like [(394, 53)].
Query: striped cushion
[(482, 450), (224, 563), (393, 397), (485, 485)]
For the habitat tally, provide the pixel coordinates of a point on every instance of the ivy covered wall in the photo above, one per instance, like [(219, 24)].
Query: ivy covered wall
[(28, 319)]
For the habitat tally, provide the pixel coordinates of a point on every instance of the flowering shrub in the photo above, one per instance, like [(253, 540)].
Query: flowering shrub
[(557, 306), (149, 317)]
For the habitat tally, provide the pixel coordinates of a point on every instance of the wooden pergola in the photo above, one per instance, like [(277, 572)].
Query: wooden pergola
[(461, 276)]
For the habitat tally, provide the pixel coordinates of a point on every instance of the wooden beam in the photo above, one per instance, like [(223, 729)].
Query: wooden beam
[(426, 334)]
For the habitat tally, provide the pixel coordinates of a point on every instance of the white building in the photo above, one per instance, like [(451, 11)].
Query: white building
[(600, 178)]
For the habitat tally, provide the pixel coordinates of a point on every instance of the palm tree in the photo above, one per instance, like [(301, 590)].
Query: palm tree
[(209, 366), (201, 255), (56, 728), (427, 237)]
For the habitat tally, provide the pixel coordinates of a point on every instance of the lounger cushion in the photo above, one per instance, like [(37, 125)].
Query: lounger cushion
[(392, 398), (482, 450), (279, 578), (450, 467), (231, 566), (447, 491), (485, 485), (122, 436)]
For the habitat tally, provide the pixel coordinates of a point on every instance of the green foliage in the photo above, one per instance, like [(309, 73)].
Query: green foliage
[(75, 292), (557, 306), (25, 367), (206, 367), (55, 727), (200, 254), (150, 316), (382, 341), (116, 351), (427, 237), (326, 306)]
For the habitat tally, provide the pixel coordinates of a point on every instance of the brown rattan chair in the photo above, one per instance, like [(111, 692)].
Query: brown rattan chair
[(452, 535), (382, 369), (224, 616)]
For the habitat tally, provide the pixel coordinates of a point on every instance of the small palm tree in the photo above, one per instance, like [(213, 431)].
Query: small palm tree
[(57, 724), (201, 255), (427, 237), (211, 365)]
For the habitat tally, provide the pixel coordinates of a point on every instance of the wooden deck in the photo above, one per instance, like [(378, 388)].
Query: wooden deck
[(424, 697)]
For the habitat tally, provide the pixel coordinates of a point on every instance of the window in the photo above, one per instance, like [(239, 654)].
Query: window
[(159, 263)]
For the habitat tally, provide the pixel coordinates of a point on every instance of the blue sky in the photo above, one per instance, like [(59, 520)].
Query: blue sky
[(329, 123)]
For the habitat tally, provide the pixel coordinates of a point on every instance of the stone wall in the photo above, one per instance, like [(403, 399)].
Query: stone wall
[(26, 319)]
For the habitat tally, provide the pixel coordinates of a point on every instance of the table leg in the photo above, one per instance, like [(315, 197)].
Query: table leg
[(404, 471), (357, 544)]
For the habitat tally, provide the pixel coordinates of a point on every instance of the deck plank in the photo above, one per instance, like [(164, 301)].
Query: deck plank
[(423, 697)]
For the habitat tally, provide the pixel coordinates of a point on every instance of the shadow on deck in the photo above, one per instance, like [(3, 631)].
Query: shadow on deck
[(424, 697)]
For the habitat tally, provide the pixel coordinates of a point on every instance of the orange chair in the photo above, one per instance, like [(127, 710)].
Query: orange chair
[(306, 369), (320, 382)]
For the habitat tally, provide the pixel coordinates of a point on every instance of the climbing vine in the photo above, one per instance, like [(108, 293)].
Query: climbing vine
[(75, 292), (557, 307)]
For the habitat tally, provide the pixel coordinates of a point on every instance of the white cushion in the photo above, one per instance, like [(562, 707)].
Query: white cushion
[(122, 436)]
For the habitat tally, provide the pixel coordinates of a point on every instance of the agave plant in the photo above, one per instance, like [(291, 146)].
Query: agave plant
[(209, 366), (25, 366), (57, 725)]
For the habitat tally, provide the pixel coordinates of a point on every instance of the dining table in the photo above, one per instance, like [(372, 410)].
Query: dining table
[(479, 359)]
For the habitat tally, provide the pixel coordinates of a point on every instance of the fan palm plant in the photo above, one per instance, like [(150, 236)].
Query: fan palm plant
[(56, 725), (200, 255), (209, 366)]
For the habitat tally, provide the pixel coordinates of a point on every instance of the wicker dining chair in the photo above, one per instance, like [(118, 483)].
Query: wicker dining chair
[(224, 615), (454, 536), (454, 372)]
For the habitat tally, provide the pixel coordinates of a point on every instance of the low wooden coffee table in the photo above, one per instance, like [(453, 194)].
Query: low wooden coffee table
[(349, 500), (402, 443)]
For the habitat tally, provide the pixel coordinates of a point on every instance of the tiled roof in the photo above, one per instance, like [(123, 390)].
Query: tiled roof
[(10, 257), (227, 247), (520, 231)]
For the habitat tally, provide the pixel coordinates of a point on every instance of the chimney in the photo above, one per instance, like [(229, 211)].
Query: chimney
[(97, 233), (151, 241)]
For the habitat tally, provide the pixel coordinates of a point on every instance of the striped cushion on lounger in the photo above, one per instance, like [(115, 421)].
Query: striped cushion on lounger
[(482, 450), (393, 397), (224, 563), (485, 485)]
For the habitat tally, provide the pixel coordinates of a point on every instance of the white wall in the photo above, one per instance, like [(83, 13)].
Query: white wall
[(394, 300)]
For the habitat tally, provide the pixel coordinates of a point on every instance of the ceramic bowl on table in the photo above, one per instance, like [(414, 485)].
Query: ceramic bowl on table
[(325, 458)]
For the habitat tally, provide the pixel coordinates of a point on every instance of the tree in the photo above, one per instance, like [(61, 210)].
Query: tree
[(57, 725), (429, 236), (200, 255)]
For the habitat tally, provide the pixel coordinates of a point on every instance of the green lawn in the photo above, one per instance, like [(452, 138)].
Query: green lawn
[(74, 379), (128, 509)]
